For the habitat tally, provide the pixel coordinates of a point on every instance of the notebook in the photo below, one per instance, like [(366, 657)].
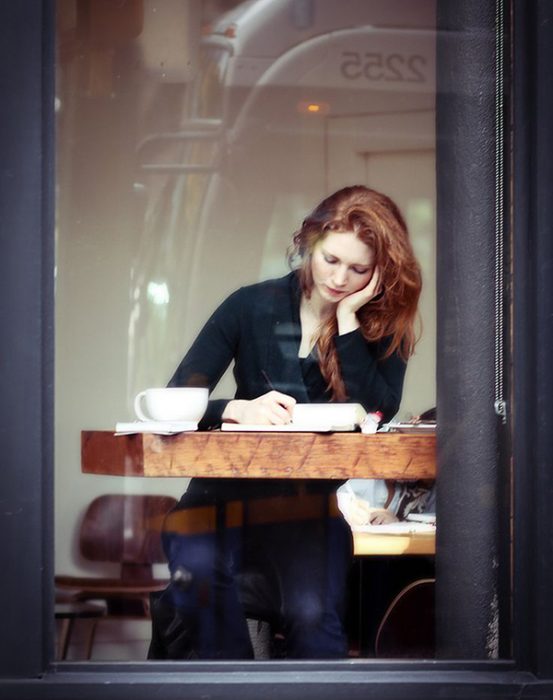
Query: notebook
[(312, 418), (156, 427)]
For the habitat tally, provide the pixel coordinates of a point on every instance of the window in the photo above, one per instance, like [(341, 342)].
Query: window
[(165, 121), (26, 453)]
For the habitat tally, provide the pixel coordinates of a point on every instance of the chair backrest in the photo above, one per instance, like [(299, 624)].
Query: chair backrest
[(125, 528), (407, 628)]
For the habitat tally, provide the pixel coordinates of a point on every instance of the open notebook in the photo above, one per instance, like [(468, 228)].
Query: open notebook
[(288, 428), (312, 418)]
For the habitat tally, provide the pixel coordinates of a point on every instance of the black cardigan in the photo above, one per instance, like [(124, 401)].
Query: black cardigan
[(259, 328)]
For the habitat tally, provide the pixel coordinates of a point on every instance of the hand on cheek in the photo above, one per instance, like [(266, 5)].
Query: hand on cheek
[(348, 307)]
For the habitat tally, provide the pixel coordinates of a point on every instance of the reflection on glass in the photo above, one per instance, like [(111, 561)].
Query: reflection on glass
[(193, 138)]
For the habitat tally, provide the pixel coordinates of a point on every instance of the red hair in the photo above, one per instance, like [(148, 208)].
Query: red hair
[(377, 221)]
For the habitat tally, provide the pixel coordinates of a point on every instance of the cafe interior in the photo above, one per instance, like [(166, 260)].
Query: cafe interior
[(191, 138)]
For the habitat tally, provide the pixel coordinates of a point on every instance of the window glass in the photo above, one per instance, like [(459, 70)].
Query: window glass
[(193, 140)]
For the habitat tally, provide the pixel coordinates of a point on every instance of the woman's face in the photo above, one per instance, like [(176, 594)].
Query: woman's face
[(341, 264)]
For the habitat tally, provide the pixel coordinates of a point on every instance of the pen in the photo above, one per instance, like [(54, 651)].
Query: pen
[(269, 382), (272, 388), (426, 519)]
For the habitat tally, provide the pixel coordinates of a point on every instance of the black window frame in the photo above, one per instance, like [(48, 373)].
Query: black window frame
[(27, 183)]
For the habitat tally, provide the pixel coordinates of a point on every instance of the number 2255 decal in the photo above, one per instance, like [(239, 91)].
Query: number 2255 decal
[(392, 67)]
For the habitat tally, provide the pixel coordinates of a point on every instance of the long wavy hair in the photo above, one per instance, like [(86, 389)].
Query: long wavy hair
[(377, 221)]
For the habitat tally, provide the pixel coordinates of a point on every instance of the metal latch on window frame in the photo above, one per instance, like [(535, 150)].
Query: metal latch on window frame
[(501, 409)]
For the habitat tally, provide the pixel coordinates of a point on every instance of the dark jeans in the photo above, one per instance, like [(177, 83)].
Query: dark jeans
[(290, 569)]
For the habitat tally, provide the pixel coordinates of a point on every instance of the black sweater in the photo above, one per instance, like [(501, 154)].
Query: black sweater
[(259, 328)]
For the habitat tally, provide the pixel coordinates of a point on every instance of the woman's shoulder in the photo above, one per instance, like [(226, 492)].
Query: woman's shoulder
[(257, 298), (261, 290)]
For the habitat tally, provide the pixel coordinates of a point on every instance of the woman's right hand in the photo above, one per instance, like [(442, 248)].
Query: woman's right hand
[(358, 511), (273, 408), (382, 516)]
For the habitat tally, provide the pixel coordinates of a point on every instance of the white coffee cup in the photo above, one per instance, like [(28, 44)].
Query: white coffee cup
[(171, 404)]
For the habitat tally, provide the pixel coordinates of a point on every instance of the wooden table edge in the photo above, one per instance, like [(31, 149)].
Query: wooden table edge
[(260, 455)]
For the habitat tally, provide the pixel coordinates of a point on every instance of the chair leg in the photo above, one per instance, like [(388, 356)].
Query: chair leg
[(91, 636), (66, 627), (146, 606)]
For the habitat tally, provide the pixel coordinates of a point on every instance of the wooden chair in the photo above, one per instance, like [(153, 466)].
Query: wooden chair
[(125, 529), (407, 628)]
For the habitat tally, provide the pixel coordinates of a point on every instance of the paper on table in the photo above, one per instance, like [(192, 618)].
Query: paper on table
[(329, 414), (429, 518), (402, 528), (157, 427), (288, 428), (400, 427)]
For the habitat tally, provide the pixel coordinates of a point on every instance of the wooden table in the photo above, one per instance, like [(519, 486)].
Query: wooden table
[(372, 544), (273, 455), (266, 455)]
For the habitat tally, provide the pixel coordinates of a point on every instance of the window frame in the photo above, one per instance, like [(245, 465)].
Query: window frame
[(27, 412)]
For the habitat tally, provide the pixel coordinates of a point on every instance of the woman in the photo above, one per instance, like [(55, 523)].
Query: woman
[(338, 328)]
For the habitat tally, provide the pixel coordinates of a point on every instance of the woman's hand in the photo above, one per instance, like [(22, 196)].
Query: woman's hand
[(273, 408), (358, 511), (348, 307), (382, 516)]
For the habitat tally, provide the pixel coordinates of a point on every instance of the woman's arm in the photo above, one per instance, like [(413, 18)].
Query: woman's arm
[(210, 355), (272, 408), (365, 506), (217, 344), (375, 383)]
